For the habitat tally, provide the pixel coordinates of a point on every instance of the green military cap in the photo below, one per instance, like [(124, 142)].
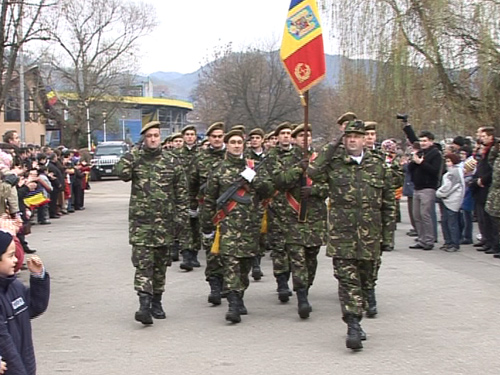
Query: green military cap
[(300, 128), (257, 131), (150, 125), (239, 127), (175, 135), (280, 127), (370, 125), (232, 133), (167, 139), (215, 126), (188, 127), (356, 126), (271, 134), (348, 116)]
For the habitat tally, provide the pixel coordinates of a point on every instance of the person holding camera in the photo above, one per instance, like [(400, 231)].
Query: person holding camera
[(425, 169)]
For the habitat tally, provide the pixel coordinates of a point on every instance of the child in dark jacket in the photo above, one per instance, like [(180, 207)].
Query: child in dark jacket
[(19, 304)]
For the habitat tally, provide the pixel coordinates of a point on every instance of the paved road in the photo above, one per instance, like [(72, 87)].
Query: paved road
[(438, 311)]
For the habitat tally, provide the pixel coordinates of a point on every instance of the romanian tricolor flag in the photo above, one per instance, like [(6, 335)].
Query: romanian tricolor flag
[(51, 96), (302, 50)]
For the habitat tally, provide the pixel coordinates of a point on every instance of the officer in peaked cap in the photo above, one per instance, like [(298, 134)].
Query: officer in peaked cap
[(150, 125), (345, 118), (215, 126), (371, 135)]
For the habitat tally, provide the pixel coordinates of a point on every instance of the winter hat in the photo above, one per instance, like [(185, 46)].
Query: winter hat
[(5, 241), (455, 159), (389, 146)]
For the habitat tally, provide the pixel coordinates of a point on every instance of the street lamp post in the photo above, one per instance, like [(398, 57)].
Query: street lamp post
[(123, 127), (104, 124), (88, 126)]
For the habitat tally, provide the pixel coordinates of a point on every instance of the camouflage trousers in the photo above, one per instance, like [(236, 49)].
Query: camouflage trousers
[(355, 278), (150, 268), (195, 244), (214, 261), (276, 242), (303, 264), (236, 271)]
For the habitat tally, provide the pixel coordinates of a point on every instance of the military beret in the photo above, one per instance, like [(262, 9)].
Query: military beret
[(203, 141), (300, 128), (370, 125), (256, 131), (271, 134), (356, 126), (175, 135), (348, 116), (150, 125), (188, 127), (215, 126), (241, 128), (167, 139), (280, 127), (232, 133)]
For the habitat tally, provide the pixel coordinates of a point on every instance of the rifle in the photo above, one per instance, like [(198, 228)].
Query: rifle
[(231, 192)]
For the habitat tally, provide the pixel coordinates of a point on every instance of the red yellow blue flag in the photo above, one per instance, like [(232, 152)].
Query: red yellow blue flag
[(302, 50), (51, 96)]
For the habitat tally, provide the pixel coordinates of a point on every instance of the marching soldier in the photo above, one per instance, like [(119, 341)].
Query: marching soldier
[(189, 243), (204, 163), (237, 221), (158, 202), (362, 218), (256, 152), (302, 239)]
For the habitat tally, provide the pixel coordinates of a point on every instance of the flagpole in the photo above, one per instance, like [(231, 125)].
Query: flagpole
[(303, 182)]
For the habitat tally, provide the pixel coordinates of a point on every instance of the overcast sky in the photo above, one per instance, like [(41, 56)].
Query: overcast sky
[(190, 29)]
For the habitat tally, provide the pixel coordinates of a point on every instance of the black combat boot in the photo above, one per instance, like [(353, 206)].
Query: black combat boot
[(215, 288), (186, 261), (284, 291), (233, 312), (372, 304), (242, 308), (256, 270), (304, 308), (175, 251), (194, 259), (144, 313), (156, 307), (353, 340)]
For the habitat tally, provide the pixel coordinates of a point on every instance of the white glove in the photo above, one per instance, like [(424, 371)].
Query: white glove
[(193, 213), (248, 174), (208, 236)]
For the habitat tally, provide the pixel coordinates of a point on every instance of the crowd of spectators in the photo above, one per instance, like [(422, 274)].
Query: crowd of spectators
[(39, 185)]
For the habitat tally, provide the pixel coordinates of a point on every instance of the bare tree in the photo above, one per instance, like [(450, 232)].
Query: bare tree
[(93, 53)]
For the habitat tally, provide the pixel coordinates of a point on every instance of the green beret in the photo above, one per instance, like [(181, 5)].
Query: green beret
[(188, 127), (175, 135), (280, 127), (232, 133), (370, 125), (348, 116), (167, 139), (150, 125), (215, 126), (257, 131), (356, 126), (300, 128)]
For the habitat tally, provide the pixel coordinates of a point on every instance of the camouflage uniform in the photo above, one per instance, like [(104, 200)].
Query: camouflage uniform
[(361, 219), (302, 240), (189, 240), (240, 230), (492, 206), (158, 203), (206, 161)]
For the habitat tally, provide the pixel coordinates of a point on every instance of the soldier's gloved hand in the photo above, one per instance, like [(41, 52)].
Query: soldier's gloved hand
[(304, 163), (305, 192), (208, 236), (193, 213), (248, 174)]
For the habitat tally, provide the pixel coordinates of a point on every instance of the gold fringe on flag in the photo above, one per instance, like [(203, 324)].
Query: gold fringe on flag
[(215, 249)]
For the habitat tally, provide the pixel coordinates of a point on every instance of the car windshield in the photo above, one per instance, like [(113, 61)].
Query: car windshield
[(110, 150)]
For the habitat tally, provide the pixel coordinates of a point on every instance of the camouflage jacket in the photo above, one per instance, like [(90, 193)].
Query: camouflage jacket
[(493, 201), (206, 161), (287, 176), (187, 156), (363, 206), (250, 154), (240, 229), (158, 198)]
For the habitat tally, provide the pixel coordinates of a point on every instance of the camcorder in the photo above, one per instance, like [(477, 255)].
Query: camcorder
[(402, 116)]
